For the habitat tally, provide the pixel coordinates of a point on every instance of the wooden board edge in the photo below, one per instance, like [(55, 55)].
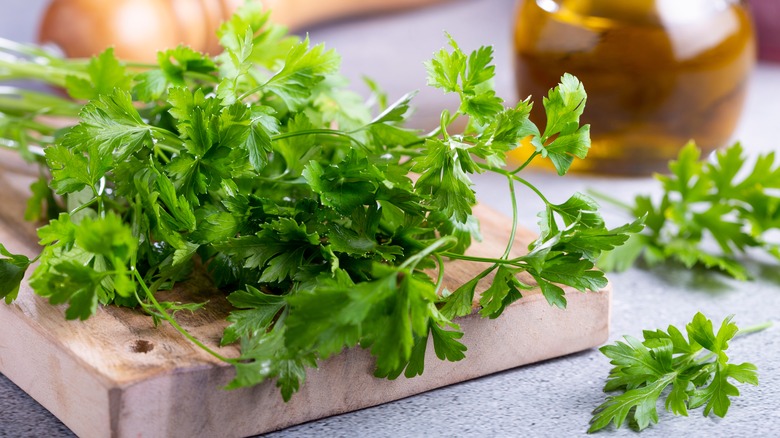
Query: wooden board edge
[(192, 402), (61, 383), (177, 405)]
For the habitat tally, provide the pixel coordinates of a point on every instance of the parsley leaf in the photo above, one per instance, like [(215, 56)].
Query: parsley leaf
[(644, 369), (304, 67), (445, 178), (258, 314), (85, 263), (321, 216), (112, 125), (105, 72), (468, 75), (563, 138), (12, 270), (72, 171), (174, 64), (724, 200)]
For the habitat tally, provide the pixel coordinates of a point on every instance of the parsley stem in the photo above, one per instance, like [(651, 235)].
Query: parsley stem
[(740, 332), (134, 64), (513, 197), (317, 131), (425, 252), (516, 178), (36, 126), (524, 165), (402, 151), (14, 100), (24, 69), (754, 329), (609, 199), (202, 76), (253, 90), (517, 262), (533, 188), (15, 48), (424, 138), (169, 141), (440, 278), (456, 256), (444, 122), (15, 146), (485, 273), (433, 133), (83, 206), (159, 153), (165, 315)]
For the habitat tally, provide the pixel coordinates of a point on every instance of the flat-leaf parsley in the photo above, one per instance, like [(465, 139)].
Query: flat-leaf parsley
[(298, 198)]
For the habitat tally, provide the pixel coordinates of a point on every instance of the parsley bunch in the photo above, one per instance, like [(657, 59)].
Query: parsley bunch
[(724, 200), (299, 199), (697, 369)]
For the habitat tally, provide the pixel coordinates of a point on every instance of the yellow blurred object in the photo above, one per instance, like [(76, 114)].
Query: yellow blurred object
[(658, 73), (137, 29)]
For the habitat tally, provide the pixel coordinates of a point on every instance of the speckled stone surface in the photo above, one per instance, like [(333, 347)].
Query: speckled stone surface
[(553, 398)]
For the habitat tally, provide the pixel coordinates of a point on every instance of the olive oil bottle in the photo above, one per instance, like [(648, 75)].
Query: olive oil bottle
[(658, 73)]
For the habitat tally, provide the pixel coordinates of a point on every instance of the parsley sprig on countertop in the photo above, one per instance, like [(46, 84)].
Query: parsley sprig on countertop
[(697, 369), (725, 200), (296, 196)]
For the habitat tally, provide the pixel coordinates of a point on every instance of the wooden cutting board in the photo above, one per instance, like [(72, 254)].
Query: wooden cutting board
[(117, 375)]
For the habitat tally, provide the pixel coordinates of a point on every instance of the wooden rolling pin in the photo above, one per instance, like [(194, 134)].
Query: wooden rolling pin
[(137, 29)]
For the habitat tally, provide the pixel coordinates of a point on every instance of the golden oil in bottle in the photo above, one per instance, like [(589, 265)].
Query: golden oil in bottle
[(658, 73)]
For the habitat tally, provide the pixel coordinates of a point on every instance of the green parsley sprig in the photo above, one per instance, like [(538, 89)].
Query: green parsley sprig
[(697, 369), (297, 197), (722, 200)]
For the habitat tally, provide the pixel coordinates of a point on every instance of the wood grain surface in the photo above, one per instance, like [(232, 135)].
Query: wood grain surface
[(118, 375)]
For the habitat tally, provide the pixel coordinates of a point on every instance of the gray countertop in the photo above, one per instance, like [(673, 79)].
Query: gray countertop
[(553, 398)]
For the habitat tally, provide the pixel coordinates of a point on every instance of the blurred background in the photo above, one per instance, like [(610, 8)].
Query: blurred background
[(386, 41), (658, 72), (390, 46)]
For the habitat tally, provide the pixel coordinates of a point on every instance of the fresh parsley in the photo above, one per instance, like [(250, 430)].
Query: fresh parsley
[(299, 199), (723, 200), (697, 371)]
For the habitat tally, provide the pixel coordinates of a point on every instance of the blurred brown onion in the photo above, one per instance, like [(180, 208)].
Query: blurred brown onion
[(135, 28)]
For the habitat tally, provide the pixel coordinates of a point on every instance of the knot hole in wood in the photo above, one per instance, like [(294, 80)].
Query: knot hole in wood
[(141, 346)]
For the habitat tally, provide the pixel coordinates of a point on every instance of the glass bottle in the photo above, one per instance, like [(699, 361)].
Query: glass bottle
[(658, 73)]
